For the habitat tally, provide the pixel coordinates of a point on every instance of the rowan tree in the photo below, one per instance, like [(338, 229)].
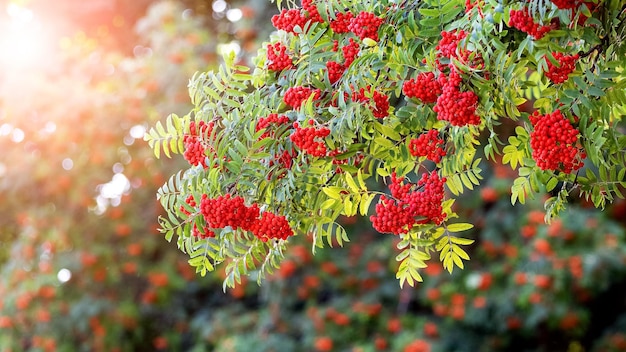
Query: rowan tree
[(348, 95)]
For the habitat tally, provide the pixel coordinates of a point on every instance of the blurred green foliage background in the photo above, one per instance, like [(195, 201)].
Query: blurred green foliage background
[(83, 267)]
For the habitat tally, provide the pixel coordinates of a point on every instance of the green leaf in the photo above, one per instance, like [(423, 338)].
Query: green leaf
[(351, 184), (551, 184), (458, 227), (333, 192), (365, 204), (461, 241)]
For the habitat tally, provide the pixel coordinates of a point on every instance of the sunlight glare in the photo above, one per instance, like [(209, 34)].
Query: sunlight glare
[(24, 44)]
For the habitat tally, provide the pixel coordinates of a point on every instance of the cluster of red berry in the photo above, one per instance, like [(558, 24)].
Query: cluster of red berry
[(553, 143), (365, 25), (226, 211), (456, 107), (429, 145), (380, 109), (470, 4), (285, 160), (567, 64), (271, 226), (350, 52), (191, 201), (522, 20), (424, 87), (206, 232), (355, 160), (195, 147), (335, 71), (391, 217), (449, 42), (310, 139), (270, 120), (312, 13), (567, 4), (287, 20), (295, 96), (397, 215), (341, 22), (427, 203), (277, 57)]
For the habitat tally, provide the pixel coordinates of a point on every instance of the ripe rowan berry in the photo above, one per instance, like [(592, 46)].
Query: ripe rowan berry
[(522, 20), (553, 143), (567, 65), (195, 143), (271, 226), (411, 204), (449, 42), (341, 22), (429, 145), (311, 140), (312, 14), (226, 211), (287, 20), (424, 87), (456, 107), (295, 96), (271, 120), (365, 25), (350, 52), (277, 57), (191, 201), (380, 108), (335, 71), (567, 4)]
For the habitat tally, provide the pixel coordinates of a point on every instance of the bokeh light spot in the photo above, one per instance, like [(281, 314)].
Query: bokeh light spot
[(234, 15), (67, 164), (219, 5), (17, 135), (64, 275)]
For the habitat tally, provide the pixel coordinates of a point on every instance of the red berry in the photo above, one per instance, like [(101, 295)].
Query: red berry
[(295, 96), (411, 204), (380, 109), (567, 65), (196, 144), (287, 20), (271, 226), (456, 107), (567, 4), (277, 57), (553, 142), (428, 145), (350, 52), (311, 140), (226, 211), (449, 42), (424, 87), (341, 22), (365, 25), (335, 71), (311, 11), (270, 120), (522, 20)]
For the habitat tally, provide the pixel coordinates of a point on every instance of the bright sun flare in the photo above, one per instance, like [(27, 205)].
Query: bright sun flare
[(24, 43)]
